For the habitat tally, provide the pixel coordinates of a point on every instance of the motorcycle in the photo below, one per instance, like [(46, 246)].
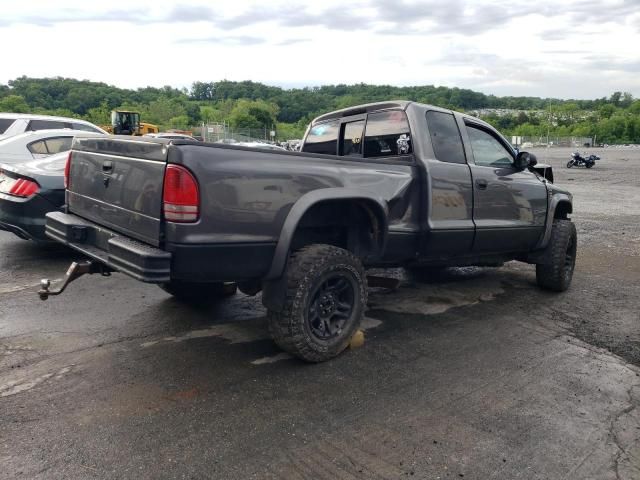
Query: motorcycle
[(578, 160)]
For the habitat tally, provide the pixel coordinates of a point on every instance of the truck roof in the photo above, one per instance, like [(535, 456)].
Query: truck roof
[(372, 107), (368, 107)]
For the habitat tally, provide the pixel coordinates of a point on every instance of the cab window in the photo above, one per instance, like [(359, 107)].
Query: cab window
[(351, 144), (445, 137), (387, 134), (488, 151), (323, 138)]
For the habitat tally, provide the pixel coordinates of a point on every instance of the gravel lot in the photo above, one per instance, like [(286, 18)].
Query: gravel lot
[(478, 374)]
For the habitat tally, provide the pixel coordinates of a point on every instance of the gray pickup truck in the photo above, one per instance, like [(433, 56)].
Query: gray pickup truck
[(379, 185)]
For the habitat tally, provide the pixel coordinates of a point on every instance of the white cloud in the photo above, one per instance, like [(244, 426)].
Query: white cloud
[(579, 49)]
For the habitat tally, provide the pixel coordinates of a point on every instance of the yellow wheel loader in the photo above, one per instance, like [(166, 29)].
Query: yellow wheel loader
[(124, 122)]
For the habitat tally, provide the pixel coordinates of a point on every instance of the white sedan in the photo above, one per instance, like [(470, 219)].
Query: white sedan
[(30, 145), (17, 123)]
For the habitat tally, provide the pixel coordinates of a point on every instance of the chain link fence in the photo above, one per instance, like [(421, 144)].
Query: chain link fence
[(222, 132), (551, 141)]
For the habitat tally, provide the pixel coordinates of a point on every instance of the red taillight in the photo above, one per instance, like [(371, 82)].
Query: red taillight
[(180, 199), (24, 188), (67, 169)]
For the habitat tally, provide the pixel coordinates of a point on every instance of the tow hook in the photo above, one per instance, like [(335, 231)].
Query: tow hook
[(75, 271)]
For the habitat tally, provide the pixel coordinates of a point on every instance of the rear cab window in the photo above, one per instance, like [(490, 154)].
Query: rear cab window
[(351, 143), (387, 134), (381, 134), (5, 123), (323, 138)]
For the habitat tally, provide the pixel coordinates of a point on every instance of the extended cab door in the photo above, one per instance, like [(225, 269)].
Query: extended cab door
[(449, 192), (509, 205)]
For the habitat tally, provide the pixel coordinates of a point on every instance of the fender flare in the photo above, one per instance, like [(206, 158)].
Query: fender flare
[(308, 200), (555, 200)]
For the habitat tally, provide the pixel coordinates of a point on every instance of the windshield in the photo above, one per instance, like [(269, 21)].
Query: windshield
[(126, 120)]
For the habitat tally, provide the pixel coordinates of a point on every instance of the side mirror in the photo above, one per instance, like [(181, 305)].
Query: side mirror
[(525, 160)]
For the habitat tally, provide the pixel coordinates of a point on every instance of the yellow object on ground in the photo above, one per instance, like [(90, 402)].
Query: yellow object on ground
[(357, 340)]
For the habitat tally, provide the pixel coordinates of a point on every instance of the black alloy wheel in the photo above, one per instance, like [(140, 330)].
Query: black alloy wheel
[(331, 306), (325, 298)]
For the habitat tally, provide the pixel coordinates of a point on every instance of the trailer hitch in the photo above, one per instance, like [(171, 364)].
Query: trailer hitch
[(75, 271)]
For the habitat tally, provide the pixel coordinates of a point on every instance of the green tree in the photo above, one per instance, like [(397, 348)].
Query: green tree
[(100, 115), (253, 114), (14, 104)]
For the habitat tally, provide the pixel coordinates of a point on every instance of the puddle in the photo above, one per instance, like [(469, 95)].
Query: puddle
[(432, 299)]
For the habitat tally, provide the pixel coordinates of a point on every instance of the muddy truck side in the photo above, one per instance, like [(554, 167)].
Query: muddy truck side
[(379, 185)]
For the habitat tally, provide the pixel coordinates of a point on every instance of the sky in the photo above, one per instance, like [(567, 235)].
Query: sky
[(564, 49)]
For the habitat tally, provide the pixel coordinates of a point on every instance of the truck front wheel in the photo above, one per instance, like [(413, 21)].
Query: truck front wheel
[(197, 291), (324, 303), (557, 273)]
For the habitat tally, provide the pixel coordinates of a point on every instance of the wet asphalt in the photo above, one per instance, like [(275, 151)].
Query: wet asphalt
[(474, 374)]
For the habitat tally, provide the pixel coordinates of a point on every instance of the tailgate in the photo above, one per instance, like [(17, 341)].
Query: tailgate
[(117, 182)]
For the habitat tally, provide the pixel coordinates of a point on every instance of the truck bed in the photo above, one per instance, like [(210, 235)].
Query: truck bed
[(246, 194)]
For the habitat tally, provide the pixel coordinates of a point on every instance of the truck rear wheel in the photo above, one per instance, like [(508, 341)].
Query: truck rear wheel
[(326, 296), (557, 274), (197, 291)]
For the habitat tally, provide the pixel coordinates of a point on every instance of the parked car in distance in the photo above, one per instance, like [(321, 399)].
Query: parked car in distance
[(266, 146), (32, 179), (28, 191), (171, 136), (389, 184), (39, 144), (16, 123), (262, 145)]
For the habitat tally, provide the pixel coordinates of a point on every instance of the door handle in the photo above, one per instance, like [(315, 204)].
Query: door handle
[(107, 167), (481, 183)]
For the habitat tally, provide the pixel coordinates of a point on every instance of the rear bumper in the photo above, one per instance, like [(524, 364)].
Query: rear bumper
[(212, 262), (136, 259)]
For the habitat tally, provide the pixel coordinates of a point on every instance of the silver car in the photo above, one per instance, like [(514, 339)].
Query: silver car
[(16, 123), (31, 145)]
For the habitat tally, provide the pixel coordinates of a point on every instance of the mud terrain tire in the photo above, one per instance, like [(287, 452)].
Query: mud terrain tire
[(325, 300), (557, 274)]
